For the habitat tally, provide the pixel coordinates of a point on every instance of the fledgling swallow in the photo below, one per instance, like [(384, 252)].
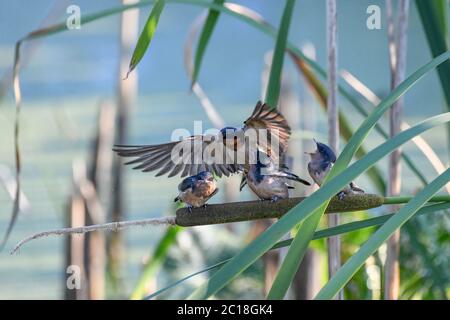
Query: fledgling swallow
[(322, 160), (268, 181), (196, 190), (229, 139)]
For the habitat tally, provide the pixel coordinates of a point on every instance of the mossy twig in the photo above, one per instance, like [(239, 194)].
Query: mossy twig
[(221, 213)]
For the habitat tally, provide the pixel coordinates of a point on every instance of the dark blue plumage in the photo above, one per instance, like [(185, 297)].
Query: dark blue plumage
[(187, 183), (268, 181), (256, 168), (326, 152), (322, 160), (265, 125), (228, 132)]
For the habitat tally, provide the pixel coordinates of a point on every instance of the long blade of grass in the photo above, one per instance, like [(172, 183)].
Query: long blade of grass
[(320, 234), (380, 236), (420, 143), (276, 66), (337, 181), (244, 14), (297, 250), (253, 19), (346, 130), (434, 17), (302, 239), (208, 28), (429, 260), (155, 262), (210, 110), (57, 10), (234, 11), (42, 32), (18, 101), (303, 63), (273, 86), (147, 34), (180, 281)]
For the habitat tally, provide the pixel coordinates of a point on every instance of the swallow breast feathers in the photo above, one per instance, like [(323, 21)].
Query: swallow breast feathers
[(195, 191), (213, 153), (268, 181)]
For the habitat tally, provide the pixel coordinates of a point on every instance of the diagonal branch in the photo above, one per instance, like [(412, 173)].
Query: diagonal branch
[(221, 213)]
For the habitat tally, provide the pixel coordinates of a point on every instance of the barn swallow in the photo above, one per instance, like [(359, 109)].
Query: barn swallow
[(229, 140), (196, 190), (322, 160), (268, 181)]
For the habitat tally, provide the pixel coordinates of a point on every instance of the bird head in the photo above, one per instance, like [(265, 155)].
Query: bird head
[(206, 175), (323, 153), (230, 137), (228, 132)]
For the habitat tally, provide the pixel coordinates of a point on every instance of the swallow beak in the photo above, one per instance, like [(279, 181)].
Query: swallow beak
[(311, 154), (317, 143), (317, 146)]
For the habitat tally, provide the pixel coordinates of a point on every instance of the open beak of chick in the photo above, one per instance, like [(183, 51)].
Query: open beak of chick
[(312, 154)]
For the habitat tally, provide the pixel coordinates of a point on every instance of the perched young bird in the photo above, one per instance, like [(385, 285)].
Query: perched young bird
[(214, 153), (321, 162), (196, 190), (268, 181)]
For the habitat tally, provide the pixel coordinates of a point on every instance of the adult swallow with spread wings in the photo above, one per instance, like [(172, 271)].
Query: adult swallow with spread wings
[(219, 154)]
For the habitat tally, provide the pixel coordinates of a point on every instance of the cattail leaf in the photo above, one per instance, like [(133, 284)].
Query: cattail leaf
[(312, 205), (320, 198), (146, 35), (355, 262), (264, 27), (320, 234), (275, 231), (434, 17), (346, 130), (274, 83), (208, 28)]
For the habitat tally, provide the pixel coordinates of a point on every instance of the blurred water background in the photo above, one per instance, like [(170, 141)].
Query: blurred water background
[(71, 73)]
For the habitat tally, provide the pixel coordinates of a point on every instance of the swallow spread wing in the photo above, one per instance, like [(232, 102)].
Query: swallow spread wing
[(273, 123), (214, 153)]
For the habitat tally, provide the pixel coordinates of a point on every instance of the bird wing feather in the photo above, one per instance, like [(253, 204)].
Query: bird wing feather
[(192, 150), (275, 124), (187, 160), (187, 183)]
